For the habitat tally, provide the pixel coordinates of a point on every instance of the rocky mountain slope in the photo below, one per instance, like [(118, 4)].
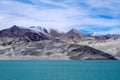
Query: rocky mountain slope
[(109, 46), (51, 50)]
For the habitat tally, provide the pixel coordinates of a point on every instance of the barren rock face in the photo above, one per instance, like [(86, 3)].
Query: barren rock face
[(50, 50), (111, 46)]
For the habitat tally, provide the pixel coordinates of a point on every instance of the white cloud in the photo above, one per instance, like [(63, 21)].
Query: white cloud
[(51, 3), (112, 31), (1, 17), (23, 14)]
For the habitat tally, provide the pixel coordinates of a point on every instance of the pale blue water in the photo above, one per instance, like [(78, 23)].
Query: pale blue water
[(60, 70)]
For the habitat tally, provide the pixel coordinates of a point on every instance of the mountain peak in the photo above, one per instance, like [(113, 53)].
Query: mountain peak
[(80, 33), (73, 29), (55, 33), (14, 27), (94, 34), (39, 29)]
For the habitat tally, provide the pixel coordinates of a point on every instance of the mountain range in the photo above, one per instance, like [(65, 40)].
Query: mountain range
[(39, 43)]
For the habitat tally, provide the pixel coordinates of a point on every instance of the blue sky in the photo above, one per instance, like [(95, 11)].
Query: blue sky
[(102, 16)]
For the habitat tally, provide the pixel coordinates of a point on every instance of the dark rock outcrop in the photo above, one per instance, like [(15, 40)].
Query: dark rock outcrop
[(88, 53)]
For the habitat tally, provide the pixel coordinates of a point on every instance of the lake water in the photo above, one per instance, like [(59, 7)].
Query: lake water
[(60, 70)]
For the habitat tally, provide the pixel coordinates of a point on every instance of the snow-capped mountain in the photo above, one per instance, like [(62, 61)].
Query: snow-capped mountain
[(37, 33), (49, 32), (94, 34), (34, 33), (19, 32), (39, 29)]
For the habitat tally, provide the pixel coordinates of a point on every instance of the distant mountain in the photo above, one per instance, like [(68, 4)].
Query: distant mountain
[(113, 36), (94, 34), (73, 36), (37, 33), (53, 33), (39, 29)]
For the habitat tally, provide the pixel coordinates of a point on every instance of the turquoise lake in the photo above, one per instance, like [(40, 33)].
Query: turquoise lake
[(60, 70)]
